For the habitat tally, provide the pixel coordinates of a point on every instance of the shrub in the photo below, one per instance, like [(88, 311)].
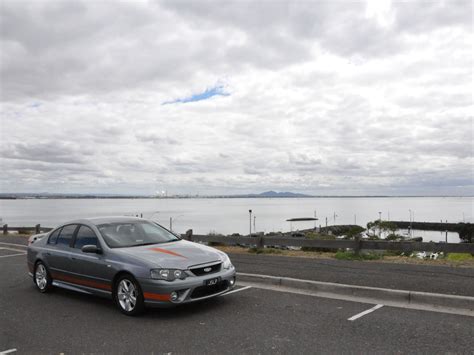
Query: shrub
[(350, 255)]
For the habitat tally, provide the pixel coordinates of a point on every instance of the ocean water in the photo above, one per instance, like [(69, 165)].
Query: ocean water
[(231, 215)]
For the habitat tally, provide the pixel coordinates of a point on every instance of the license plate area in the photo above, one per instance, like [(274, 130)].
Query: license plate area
[(212, 282)]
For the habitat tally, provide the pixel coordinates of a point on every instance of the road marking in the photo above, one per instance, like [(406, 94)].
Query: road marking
[(7, 256), (7, 351), (237, 290), (4, 248), (17, 245), (361, 314)]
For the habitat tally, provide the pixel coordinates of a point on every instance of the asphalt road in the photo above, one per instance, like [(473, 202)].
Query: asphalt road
[(250, 321), (425, 278)]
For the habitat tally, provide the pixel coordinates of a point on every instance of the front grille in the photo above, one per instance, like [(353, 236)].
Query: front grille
[(199, 271), (203, 291)]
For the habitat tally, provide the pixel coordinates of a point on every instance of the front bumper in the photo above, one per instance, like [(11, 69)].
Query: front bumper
[(158, 293)]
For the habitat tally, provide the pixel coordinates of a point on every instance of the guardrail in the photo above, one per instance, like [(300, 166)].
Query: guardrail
[(356, 245), (36, 229)]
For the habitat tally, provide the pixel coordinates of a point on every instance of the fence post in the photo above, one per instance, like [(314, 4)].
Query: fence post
[(357, 245), (38, 229), (189, 235), (260, 243), (5, 229)]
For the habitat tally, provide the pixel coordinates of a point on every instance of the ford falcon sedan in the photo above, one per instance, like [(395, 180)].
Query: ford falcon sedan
[(134, 261)]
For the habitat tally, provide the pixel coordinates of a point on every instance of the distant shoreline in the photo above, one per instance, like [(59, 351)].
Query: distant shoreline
[(75, 197)]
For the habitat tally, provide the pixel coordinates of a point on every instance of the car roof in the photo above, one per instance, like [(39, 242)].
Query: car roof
[(104, 220)]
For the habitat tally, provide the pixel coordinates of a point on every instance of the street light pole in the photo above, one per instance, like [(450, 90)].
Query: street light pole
[(411, 234), (380, 222), (250, 223), (446, 231)]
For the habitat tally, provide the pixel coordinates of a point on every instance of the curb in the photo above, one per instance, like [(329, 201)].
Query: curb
[(399, 298)]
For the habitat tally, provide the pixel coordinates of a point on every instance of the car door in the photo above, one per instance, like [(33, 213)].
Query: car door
[(58, 254), (49, 252), (90, 269)]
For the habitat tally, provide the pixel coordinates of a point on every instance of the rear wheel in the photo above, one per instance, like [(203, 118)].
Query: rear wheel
[(128, 296), (42, 278)]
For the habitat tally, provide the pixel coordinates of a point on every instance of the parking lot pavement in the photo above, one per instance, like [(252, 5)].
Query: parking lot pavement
[(249, 321), (424, 278)]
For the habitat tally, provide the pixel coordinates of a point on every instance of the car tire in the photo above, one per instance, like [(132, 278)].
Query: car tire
[(42, 278), (128, 295)]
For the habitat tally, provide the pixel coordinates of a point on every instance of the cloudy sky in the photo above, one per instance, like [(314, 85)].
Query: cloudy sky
[(211, 97)]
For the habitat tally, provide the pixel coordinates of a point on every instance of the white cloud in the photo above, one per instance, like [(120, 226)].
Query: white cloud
[(324, 98)]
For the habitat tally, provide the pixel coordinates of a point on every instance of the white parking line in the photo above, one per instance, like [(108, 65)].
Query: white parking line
[(236, 290), (4, 248), (16, 245), (7, 351), (361, 314), (7, 256)]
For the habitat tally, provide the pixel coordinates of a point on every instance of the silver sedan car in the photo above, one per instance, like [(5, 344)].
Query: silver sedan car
[(134, 261)]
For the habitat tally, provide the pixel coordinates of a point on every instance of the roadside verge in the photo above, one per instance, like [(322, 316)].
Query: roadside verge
[(463, 305)]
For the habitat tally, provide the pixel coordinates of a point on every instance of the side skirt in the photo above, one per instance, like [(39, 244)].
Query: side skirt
[(69, 287), (82, 289)]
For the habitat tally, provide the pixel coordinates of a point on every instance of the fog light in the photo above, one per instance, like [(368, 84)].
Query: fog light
[(232, 281), (174, 296)]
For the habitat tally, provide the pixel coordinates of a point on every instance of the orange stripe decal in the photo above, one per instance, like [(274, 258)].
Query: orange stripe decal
[(156, 296), (167, 252), (77, 281)]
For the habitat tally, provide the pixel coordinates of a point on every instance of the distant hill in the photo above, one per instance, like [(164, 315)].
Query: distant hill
[(278, 194)]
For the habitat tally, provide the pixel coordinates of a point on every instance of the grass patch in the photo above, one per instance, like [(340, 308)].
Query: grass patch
[(460, 257), (265, 251), (350, 255)]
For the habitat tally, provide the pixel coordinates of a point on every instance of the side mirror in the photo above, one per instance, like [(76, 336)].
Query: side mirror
[(91, 249)]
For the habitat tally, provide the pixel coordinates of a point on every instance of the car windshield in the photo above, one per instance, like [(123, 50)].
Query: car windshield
[(131, 234)]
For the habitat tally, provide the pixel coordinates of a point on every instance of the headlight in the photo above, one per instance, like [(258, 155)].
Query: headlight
[(226, 264), (167, 274)]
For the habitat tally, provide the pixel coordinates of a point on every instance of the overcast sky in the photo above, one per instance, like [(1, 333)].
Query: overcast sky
[(208, 97)]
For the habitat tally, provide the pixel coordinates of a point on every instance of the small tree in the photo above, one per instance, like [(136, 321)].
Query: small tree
[(354, 232), (466, 231)]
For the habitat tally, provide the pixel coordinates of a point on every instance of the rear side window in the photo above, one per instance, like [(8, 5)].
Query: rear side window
[(66, 234), (85, 236), (54, 236)]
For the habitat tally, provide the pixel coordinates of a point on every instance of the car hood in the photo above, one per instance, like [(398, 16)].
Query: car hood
[(179, 255)]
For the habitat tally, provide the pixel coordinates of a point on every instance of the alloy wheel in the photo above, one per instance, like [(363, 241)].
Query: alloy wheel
[(127, 295)]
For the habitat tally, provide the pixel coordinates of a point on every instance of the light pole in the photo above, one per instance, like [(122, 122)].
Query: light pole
[(250, 223), (171, 221), (446, 231), (254, 229), (335, 215), (411, 221), (380, 226)]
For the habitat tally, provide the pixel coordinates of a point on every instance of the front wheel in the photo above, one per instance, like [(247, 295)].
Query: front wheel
[(128, 296), (41, 277)]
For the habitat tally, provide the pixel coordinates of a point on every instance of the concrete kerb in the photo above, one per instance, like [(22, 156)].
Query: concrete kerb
[(399, 298)]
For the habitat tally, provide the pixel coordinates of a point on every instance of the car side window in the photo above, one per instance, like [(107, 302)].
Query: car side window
[(85, 236), (66, 234), (54, 236)]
